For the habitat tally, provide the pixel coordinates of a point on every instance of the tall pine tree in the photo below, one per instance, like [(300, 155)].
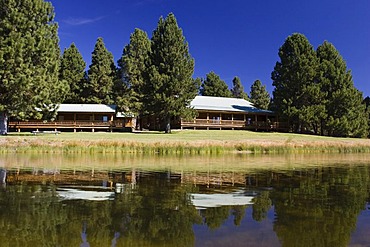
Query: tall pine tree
[(101, 76), (132, 68), (214, 86), (296, 94), (170, 86), (345, 109), (72, 70), (29, 60), (238, 90), (259, 95)]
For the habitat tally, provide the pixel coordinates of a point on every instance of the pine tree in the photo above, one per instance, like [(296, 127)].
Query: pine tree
[(259, 95), (101, 75), (72, 70), (29, 61), (170, 86), (238, 90), (214, 86), (366, 101), (345, 110), (297, 96), (132, 68)]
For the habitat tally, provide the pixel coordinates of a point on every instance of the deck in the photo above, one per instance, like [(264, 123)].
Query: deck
[(234, 124), (72, 125)]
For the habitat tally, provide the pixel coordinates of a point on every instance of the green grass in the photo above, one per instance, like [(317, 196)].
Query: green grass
[(192, 142)]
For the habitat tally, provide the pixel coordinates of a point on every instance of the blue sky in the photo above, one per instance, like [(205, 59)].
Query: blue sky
[(230, 37)]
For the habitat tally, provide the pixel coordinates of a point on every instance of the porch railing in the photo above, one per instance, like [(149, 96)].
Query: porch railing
[(218, 123), (62, 124)]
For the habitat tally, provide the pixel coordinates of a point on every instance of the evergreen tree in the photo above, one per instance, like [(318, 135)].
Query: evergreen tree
[(101, 76), (132, 69), (72, 70), (214, 86), (259, 95), (170, 86), (297, 96), (367, 104), (238, 90), (29, 60), (346, 112)]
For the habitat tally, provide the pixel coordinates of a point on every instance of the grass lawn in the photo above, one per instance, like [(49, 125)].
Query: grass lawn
[(225, 140)]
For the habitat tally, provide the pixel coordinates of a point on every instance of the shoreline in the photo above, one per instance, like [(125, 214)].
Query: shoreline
[(181, 142)]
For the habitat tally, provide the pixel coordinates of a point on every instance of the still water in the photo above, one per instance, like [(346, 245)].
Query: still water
[(233, 200)]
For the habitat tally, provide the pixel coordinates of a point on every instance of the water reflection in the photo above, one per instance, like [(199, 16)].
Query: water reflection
[(203, 201), (218, 204), (88, 193)]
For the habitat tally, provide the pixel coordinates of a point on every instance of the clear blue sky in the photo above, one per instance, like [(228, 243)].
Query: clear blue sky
[(230, 37)]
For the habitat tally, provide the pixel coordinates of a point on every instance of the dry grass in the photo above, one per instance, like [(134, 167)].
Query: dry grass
[(193, 142)]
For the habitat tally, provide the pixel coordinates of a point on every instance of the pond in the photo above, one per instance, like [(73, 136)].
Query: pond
[(231, 200)]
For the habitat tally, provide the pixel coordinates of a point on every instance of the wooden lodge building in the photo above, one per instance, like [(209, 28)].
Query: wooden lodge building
[(213, 113), (79, 117), (230, 113)]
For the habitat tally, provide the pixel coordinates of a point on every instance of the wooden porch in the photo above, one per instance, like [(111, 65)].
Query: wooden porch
[(232, 124), (75, 126), (227, 120)]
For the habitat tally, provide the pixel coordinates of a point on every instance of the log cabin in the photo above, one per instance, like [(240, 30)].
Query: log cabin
[(79, 117), (230, 113)]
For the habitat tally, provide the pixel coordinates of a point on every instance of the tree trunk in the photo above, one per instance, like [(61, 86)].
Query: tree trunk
[(322, 128), (315, 128), (138, 123), (168, 125), (3, 123)]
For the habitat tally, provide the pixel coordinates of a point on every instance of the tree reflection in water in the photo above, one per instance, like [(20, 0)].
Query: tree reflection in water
[(319, 207), (313, 207)]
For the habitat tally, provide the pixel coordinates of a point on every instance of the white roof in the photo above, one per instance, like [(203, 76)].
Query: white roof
[(218, 200), (124, 114), (81, 194), (211, 103), (96, 108)]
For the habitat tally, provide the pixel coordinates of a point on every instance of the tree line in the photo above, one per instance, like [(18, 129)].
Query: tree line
[(151, 79), (313, 92)]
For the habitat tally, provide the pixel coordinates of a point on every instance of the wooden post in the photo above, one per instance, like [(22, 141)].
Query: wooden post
[(256, 123)]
